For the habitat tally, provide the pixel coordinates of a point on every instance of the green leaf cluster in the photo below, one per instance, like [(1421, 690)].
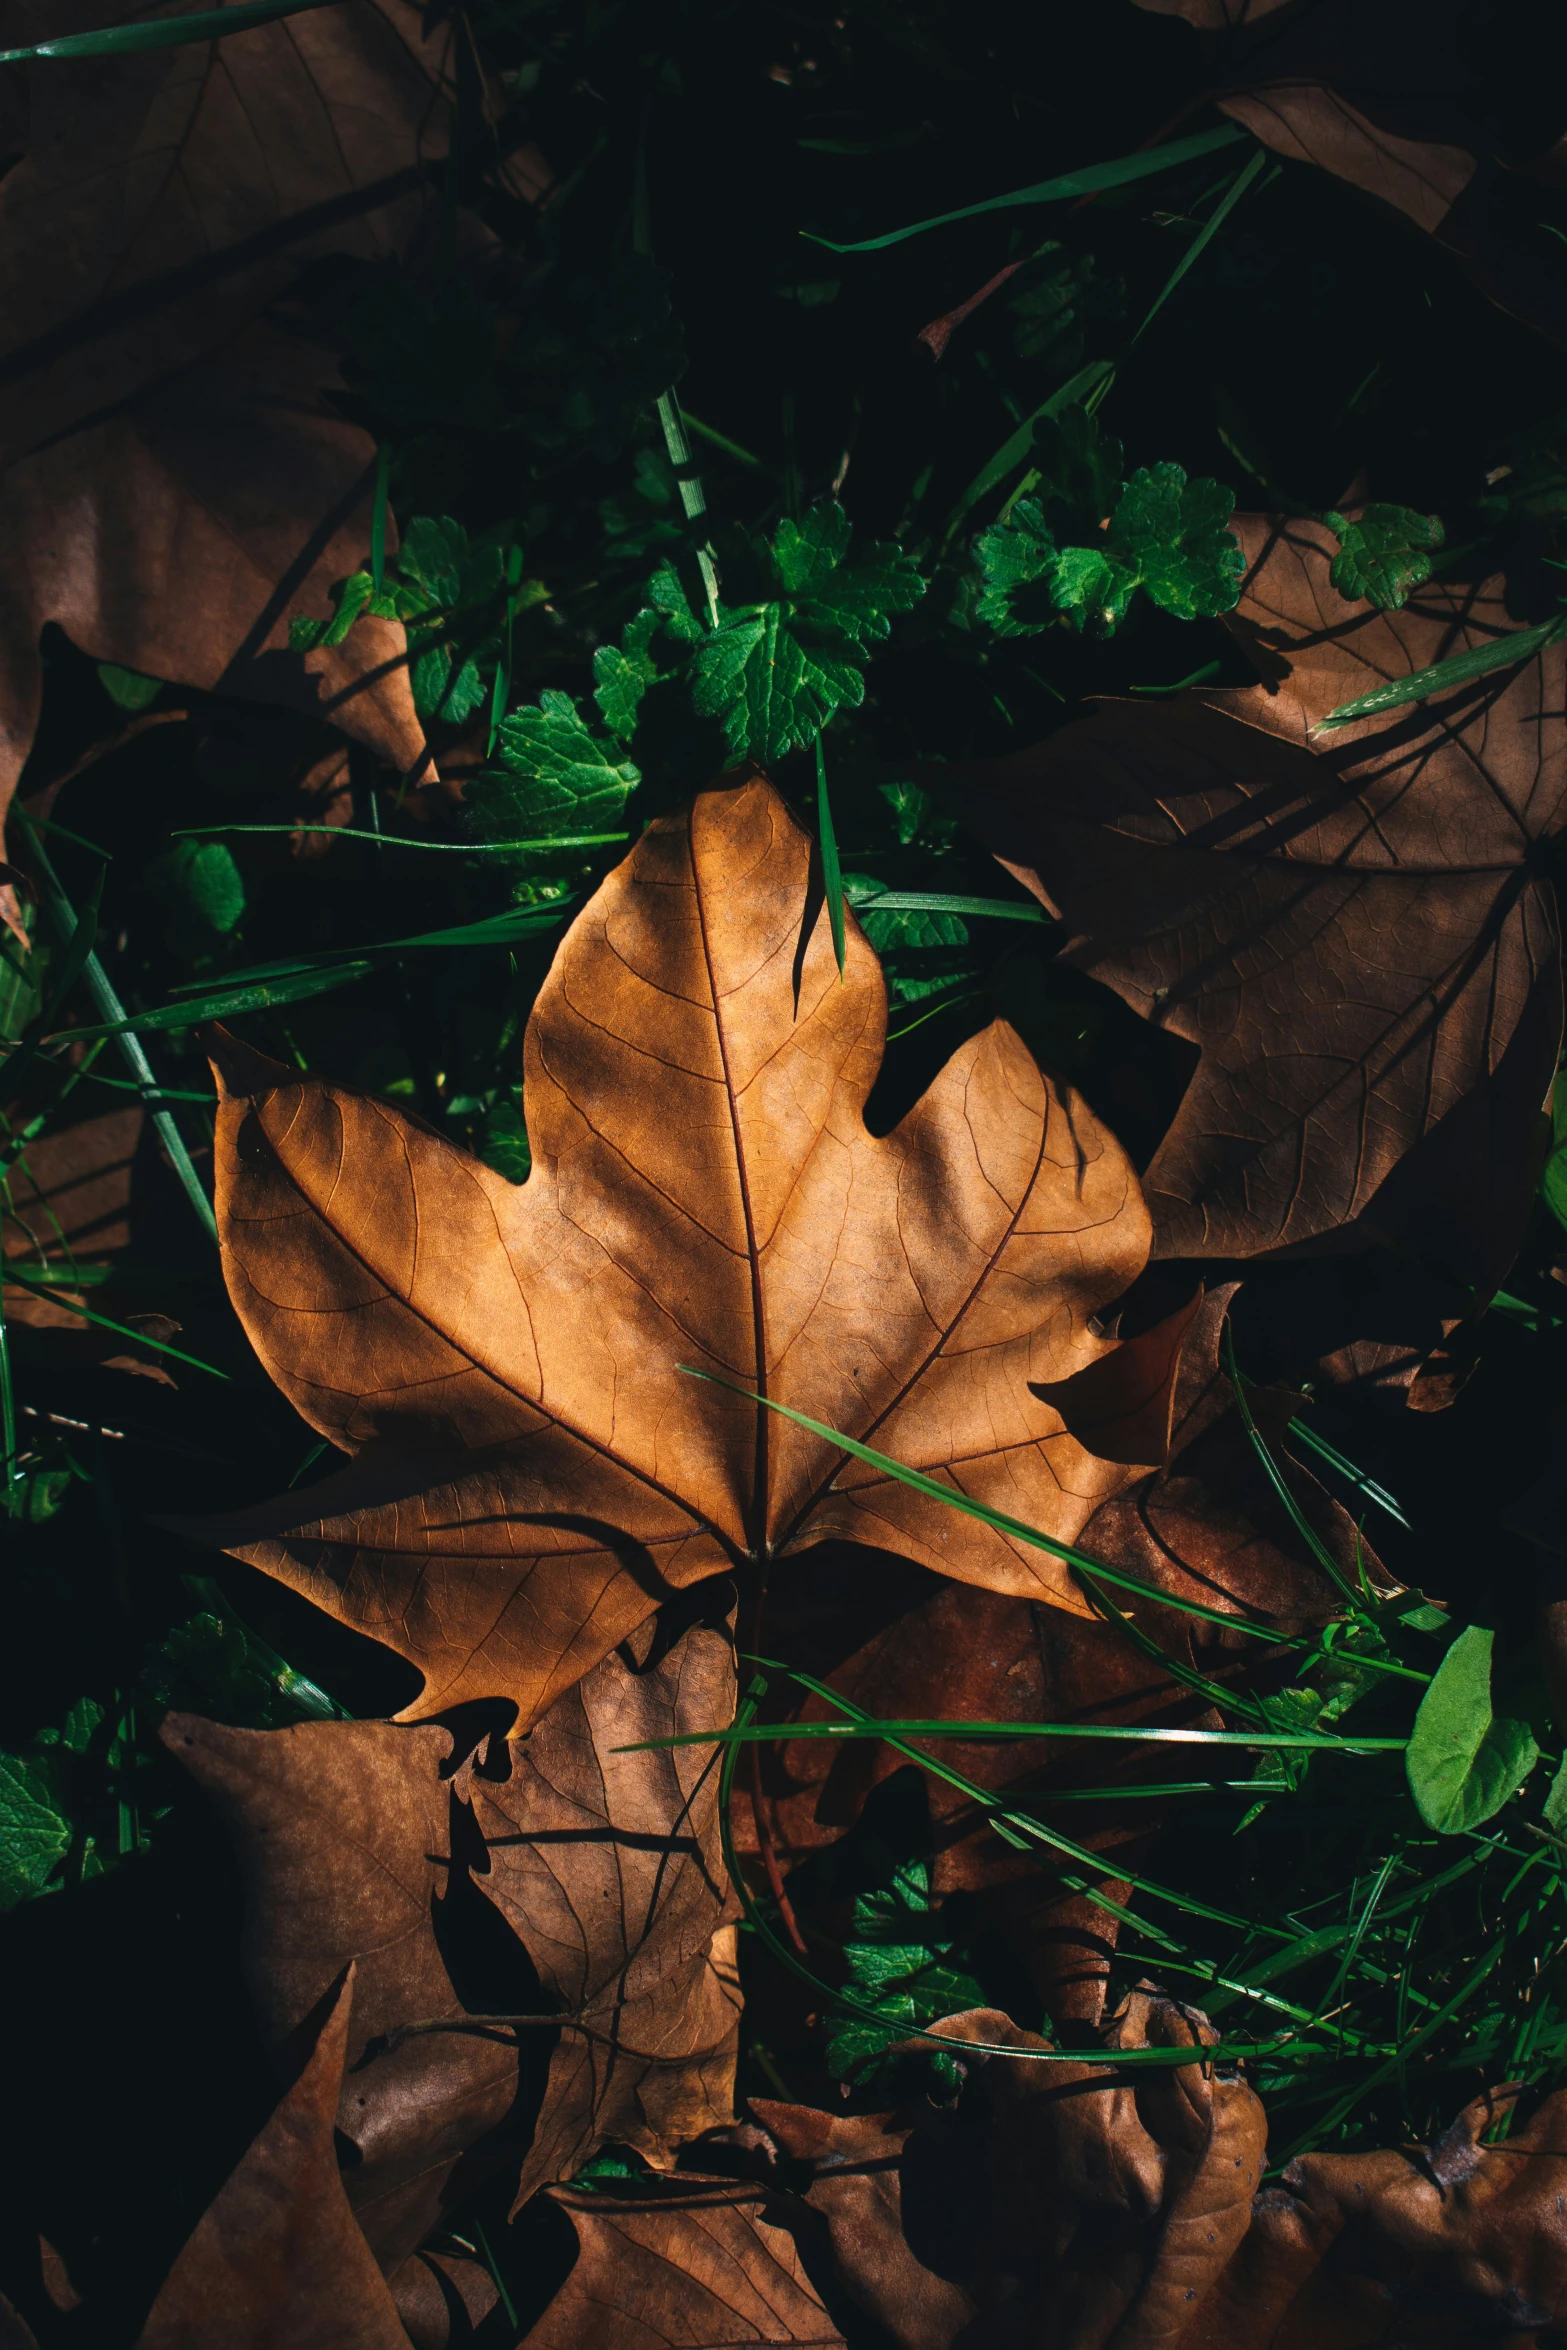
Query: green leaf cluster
[(1384, 554), (1079, 550), (449, 590), (895, 1963), (800, 616), (554, 776)]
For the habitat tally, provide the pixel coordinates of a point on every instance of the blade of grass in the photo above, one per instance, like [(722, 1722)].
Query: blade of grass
[(956, 1499), (832, 877), (1016, 446), (1244, 179), (1460, 669), (1117, 2059), (122, 1330), (1258, 1741), (63, 914), (394, 840), (164, 32), (1022, 1822), (1087, 182), (927, 901)]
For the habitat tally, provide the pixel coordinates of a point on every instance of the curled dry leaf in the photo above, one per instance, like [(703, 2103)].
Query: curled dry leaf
[(1352, 928), (608, 1868), (343, 1834), (278, 2262), (1398, 98), (1084, 2207), (533, 1472), (698, 2266)]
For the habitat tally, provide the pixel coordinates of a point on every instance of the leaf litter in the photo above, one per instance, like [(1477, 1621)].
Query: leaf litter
[(1097, 1247)]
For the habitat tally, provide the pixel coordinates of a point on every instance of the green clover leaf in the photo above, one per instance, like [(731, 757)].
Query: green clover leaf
[(1384, 554)]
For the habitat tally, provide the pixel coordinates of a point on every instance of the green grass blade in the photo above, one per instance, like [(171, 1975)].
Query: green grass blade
[(395, 840), (1090, 181), (1254, 1741), (138, 1336), (493, 930), (1017, 445), (1244, 179), (832, 875), (1155, 2059), (1479, 661), (223, 1003), (927, 901), (63, 914), (163, 32)]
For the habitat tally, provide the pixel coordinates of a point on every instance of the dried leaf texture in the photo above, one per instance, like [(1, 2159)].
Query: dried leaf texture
[(698, 2267), (1210, 1528), (1388, 97), (278, 2262), (609, 1867), (1351, 929), (176, 537), (343, 1835), (163, 199), (1093, 2210), (534, 1472)]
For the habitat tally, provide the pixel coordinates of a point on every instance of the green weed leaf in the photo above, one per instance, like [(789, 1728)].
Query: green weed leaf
[(781, 661), (622, 673), (1171, 533), (36, 1807), (1464, 1758), (895, 1964), (554, 776), (1384, 554)]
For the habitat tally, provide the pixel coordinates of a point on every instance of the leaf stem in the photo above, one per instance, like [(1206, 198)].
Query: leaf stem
[(63, 914)]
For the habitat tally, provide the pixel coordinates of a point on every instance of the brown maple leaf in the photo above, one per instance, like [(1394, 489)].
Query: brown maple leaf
[(1398, 98), (688, 2266), (277, 2260), (1352, 927), (534, 1472), (607, 1866)]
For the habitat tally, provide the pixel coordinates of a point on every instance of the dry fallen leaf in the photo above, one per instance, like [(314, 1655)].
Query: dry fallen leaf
[(343, 1836), (1400, 101), (174, 480), (1352, 927), (160, 201), (534, 1472), (607, 1867), (699, 2266), (176, 536), (277, 2262), (1097, 2210)]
